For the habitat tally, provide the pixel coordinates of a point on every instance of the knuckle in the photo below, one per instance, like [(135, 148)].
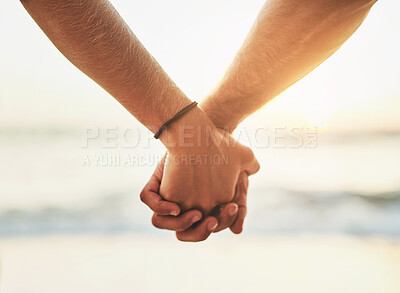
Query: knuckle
[(249, 154), (156, 221), (143, 196)]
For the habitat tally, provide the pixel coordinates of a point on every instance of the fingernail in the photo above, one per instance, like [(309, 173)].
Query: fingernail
[(212, 225), (174, 213), (195, 219), (233, 210)]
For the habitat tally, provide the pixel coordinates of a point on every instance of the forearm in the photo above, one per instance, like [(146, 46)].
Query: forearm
[(93, 36), (288, 40)]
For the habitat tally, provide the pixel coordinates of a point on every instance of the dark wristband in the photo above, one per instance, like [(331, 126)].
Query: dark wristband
[(176, 117)]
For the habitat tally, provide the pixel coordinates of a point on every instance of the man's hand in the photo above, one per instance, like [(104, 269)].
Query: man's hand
[(205, 176)]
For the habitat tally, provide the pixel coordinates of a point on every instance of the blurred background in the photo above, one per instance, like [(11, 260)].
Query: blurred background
[(324, 210)]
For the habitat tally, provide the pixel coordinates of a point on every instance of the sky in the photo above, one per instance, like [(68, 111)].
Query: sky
[(357, 89)]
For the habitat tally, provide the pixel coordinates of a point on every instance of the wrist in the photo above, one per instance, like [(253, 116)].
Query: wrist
[(220, 114), (192, 133)]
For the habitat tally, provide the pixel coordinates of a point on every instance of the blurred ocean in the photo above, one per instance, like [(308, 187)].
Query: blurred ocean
[(346, 184)]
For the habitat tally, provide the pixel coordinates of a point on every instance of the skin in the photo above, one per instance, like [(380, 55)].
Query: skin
[(93, 36), (166, 213), (288, 40), (276, 54)]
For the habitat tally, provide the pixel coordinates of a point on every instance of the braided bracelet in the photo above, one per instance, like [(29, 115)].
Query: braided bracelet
[(174, 118)]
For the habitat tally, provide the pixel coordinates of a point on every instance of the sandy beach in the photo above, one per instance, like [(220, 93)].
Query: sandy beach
[(151, 263)]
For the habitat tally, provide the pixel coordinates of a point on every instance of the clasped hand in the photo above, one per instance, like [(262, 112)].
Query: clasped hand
[(201, 188)]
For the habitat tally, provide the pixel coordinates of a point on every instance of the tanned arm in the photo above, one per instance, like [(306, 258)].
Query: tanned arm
[(289, 39), (93, 36)]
